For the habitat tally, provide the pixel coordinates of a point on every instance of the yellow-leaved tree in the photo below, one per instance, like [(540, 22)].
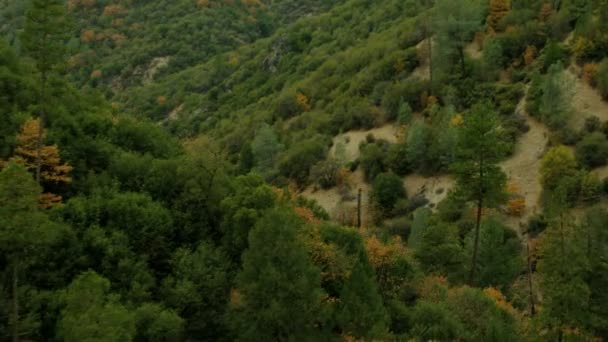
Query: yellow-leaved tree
[(53, 172)]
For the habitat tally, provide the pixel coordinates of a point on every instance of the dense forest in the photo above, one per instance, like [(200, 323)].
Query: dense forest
[(303, 170)]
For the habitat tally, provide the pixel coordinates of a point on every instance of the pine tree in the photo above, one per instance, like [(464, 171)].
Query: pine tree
[(280, 288), (92, 313), (562, 269), (361, 313), (23, 228), (480, 179), (44, 39)]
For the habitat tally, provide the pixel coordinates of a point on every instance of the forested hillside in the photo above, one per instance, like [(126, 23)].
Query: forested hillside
[(313, 170)]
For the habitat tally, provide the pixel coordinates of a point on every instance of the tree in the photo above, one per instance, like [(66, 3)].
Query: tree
[(45, 160), (440, 251), (23, 229), (435, 322), (372, 160), (157, 324), (361, 313), (279, 288), (198, 289), (17, 91), (92, 313), (595, 225), (456, 21), (241, 211), (556, 102), (387, 190), (266, 149), (498, 10), (44, 37), (418, 142), (592, 150), (562, 268), (480, 179), (557, 164), (499, 255)]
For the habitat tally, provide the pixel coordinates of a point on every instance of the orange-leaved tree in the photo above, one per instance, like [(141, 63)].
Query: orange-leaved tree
[(53, 171)]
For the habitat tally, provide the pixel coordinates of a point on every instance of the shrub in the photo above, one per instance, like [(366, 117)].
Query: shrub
[(372, 160), (325, 173), (602, 78), (297, 162), (592, 150), (387, 190), (591, 187)]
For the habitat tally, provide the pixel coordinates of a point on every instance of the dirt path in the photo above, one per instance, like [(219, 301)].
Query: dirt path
[(587, 102), (523, 168)]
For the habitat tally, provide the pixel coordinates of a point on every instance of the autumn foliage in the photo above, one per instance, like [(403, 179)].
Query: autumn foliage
[(498, 10), (53, 171)]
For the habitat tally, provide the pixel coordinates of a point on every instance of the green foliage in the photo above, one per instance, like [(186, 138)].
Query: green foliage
[(440, 251), (556, 108), (434, 321), (155, 323), (92, 313), (297, 161), (592, 150), (45, 33), (241, 210), (266, 149), (562, 268), (277, 260), (558, 163), (499, 255), (198, 290), (602, 78), (361, 313), (373, 160), (418, 142), (387, 190), (481, 147)]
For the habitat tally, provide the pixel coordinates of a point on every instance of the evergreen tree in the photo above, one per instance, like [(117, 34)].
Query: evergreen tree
[(92, 313), (480, 179), (361, 313), (456, 21), (23, 229), (562, 269), (266, 149), (44, 37), (499, 255), (556, 106), (280, 288)]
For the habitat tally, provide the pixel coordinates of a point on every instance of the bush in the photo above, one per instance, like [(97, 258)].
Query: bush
[(387, 190), (592, 150), (297, 162), (591, 187), (602, 78), (396, 159), (325, 173), (372, 160)]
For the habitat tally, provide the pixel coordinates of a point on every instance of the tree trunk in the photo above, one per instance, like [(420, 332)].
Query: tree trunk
[(476, 243), (41, 126), (462, 62), (359, 209), (478, 222), (15, 314)]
